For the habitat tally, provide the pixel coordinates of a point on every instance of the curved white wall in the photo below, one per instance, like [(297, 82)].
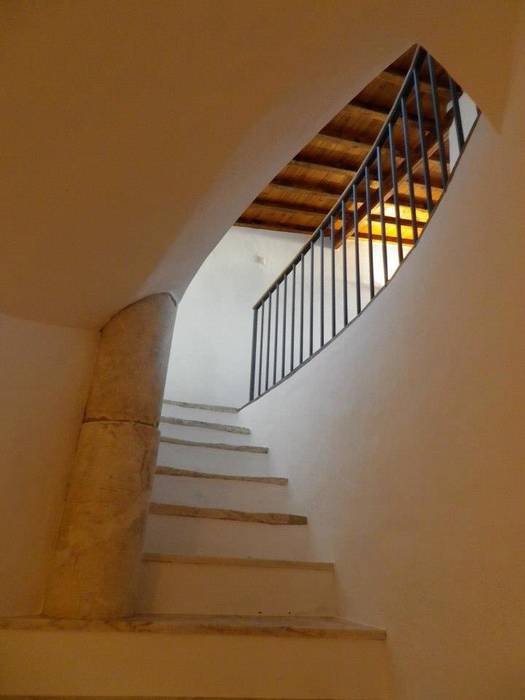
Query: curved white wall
[(404, 439)]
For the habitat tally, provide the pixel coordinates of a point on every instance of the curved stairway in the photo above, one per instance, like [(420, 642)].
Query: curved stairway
[(230, 604)]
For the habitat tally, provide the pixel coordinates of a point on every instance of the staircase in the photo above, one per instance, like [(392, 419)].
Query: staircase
[(230, 604)]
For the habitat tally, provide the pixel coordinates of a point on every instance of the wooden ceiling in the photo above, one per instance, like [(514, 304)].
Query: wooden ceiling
[(304, 191)]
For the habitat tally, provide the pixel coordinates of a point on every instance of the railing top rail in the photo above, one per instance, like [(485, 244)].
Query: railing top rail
[(419, 56)]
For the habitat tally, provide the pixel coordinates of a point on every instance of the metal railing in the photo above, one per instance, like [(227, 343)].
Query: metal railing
[(383, 211)]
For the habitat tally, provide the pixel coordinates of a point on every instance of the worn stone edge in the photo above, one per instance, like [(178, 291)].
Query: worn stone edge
[(153, 557), (165, 470), (173, 509)]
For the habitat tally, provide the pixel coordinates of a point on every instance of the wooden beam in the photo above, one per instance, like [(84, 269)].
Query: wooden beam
[(388, 186), (357, 108), (302, 190), (246, 223), (301, 209), (349, 143), (396, 77), (338, 170), (310, 165), (306, 211), (298, 187)]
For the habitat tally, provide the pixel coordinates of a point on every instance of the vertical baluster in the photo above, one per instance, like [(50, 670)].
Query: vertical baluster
[(261, 350), (356, 251), (321, 290), (292, 335), (408, 165), (254, 353), (332, 246), (370, 238), (301, 338), (422, 141), (312, 245), (457, 113), (285, 301), (437, 120), (269, 331), (276, 332), (382, 211), (344, 262), (393, 170)]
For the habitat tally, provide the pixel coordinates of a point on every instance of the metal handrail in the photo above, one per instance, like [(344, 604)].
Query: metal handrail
[(409, 88)]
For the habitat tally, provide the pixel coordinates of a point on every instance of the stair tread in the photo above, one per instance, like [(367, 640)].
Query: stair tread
[(175, 509), (289, 626), (215, 445), (202, 406), (206, 425), (193, 473), (238, 561)]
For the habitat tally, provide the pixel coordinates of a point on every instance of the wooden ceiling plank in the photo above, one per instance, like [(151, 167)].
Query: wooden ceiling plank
[(396, 77), (301, 190), (247, 223), (388, 187), (379, 113), (329, 168)]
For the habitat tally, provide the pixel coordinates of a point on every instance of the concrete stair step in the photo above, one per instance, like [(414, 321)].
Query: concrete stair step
[(199, 434), (253, 449), (234, 494), (179, 510), (193, 473), (273, 626), (204, 412), (197, 536), (197, 458), (194, 656), (214, 408), (236, 586), (205, 425)]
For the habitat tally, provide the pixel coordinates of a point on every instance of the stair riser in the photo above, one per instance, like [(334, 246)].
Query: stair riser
[(199, 414), (204, 435), (235, 590), (213, 493), (222, 538), (213, 461), (112, 663)]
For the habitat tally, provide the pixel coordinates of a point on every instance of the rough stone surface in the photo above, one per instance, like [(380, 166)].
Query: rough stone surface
[(130, 371), (100, 541)]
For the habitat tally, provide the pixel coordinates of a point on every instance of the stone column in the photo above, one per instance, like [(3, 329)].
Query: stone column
[(100, 540)]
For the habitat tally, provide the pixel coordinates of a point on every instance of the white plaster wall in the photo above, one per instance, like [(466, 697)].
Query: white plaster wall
[(210, 353), (211, 349), (404, 439), (44, 377)]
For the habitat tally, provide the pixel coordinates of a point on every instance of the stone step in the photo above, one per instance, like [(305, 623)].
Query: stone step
[(253, 449), (235, 494), (227, 538), (235, 586), (214, 408), (197, 433), (192, 473), (206, 425), (256, 625), (202, 412), (194, 656), (248, 562), (213, 461), (179, 510)]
